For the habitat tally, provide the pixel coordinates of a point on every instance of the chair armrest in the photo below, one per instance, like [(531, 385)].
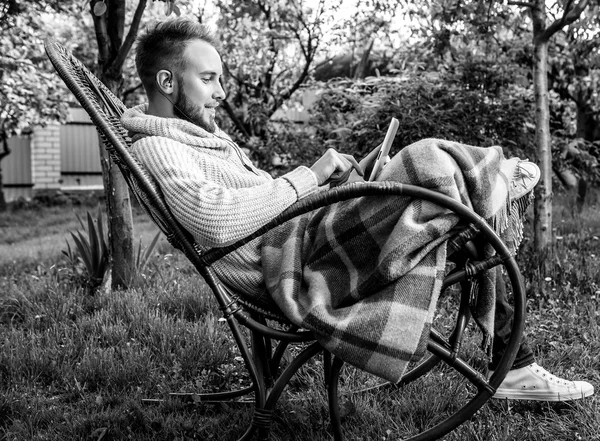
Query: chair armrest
[(342, 193)]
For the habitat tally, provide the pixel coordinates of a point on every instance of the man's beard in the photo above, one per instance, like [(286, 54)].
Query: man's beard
[(191, 112)]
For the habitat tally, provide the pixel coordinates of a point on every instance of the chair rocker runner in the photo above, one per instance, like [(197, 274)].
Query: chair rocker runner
[(271, 333)]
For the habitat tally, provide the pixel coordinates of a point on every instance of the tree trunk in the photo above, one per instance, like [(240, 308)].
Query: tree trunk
[(543, 203), (120, 222), (543, 191), (3, 205), (588, 127), (109, 35), (118, 209), (5, 151)]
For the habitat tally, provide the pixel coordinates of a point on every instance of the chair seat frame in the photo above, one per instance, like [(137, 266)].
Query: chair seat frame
[(268, 343)]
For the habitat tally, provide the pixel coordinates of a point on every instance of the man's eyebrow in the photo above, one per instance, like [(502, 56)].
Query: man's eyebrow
[(209, 72)]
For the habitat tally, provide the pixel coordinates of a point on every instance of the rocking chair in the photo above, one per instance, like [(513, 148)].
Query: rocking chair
[(270, 331)]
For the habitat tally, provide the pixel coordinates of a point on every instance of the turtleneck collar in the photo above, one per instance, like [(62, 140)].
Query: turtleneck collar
[(138, 122)]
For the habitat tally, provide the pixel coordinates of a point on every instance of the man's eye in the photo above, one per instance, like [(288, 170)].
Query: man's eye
[(206, 80)]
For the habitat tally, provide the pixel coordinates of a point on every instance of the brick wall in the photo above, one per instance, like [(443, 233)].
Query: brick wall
[(45, 157)]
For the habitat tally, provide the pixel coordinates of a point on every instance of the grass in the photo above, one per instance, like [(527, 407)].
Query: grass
[(76, 367)]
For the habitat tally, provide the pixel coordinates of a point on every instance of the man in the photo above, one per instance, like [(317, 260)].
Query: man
[(348, 273)]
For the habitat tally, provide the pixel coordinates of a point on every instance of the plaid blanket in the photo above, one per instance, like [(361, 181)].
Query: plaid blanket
[(364, 275)]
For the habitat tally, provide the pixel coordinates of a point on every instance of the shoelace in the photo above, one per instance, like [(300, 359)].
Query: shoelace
[(521, 173), (552, 378)]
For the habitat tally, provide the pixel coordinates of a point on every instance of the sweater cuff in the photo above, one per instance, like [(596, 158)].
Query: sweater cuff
[(303, 180)]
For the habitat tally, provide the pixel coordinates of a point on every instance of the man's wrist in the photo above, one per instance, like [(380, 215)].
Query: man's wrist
[(304, 181)]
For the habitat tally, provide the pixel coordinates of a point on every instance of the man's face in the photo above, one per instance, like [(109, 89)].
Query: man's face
[(199, 87)]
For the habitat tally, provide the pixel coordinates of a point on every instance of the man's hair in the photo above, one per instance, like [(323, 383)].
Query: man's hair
[(162, 47)]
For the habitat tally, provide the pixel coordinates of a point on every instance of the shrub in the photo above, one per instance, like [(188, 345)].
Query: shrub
[(354, 114), (89, 257)]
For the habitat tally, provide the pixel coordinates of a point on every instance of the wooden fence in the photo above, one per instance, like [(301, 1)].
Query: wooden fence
[(79, 160), (16, 169)]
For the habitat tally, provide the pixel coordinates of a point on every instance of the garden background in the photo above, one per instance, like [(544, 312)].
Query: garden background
[(79, 351)]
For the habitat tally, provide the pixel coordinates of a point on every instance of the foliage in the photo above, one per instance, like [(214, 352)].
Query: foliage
[(271, 48), (89, 258), (352, 115), (268, 48), (141, 276), (91, 250), (579, 157), (28, 93), (574, 73)]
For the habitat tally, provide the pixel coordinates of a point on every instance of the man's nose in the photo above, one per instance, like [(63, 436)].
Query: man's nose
[(219, 92)]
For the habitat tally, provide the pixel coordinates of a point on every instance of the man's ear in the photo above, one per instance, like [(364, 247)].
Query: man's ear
[(164, 81)]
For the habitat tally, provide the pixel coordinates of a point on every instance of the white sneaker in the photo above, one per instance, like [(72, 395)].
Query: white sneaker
[(523, 175), (533, 382)]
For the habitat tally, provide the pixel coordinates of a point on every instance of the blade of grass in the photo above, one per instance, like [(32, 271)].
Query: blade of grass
[(94, 246)]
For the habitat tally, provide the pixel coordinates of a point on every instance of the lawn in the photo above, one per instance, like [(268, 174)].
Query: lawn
[(75, 366)]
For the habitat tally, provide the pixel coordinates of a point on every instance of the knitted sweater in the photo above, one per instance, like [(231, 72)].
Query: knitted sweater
[(213, 189)]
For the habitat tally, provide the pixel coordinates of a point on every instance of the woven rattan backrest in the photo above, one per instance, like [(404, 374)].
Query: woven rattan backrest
[(105, 110)]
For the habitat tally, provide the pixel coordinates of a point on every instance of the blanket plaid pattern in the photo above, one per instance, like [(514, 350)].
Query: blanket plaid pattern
[(365, 275)]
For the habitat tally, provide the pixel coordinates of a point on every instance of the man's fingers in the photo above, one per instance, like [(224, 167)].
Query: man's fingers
[(354, 163), (335, 167), (339, 177)]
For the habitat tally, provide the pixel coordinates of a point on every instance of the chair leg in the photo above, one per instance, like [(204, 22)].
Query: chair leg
[(326, 366), (332, 376), (261, 421)]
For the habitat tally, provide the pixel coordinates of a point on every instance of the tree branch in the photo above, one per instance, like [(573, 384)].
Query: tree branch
[(131, 35), (101, 35), (5, 148), (570, 15), (129, 91), (299, 81), (236, 121), (238, 79), (523, 4)]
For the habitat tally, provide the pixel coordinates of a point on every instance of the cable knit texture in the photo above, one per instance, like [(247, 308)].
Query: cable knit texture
[(213, 188)]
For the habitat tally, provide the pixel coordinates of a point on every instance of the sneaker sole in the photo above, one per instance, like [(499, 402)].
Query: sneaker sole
[(534, 395)]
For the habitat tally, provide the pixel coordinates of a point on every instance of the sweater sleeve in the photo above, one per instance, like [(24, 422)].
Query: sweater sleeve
[(214, 212)]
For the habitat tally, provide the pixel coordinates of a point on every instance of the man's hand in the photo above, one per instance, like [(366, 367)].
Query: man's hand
[(367, 164), (334, 168)]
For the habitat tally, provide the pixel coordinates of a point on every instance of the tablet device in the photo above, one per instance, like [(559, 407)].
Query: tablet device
[(385, 149)]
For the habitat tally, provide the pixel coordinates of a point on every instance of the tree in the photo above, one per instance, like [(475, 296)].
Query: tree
[(574, 72), (566, 14), (114, 46), (270, 49), (29, 94), (499, 25)]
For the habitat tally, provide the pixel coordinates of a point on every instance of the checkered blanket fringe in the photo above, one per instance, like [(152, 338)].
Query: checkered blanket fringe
[(365, 275)]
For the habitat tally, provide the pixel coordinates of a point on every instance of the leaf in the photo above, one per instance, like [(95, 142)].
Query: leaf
[(103, 240), (100, 8), (169, 7), (94, 246), (150, 249), (176, 10), (83, 248)]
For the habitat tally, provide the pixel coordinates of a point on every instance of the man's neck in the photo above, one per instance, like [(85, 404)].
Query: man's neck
[(159, 106)]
